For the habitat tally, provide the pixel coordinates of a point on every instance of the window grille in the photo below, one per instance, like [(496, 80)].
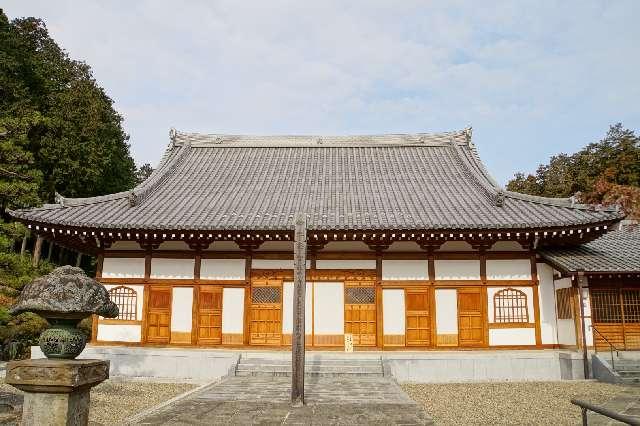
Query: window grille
[(631, 304), (605, 306), (563, 303), (265, 295), (127, 301), (510, 305), (360, 295)]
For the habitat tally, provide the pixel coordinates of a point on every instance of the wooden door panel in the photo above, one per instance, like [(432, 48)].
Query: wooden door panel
[(266, 313), (360, 313), (159, 315), (210, 315), (418, 320), (471, 321)]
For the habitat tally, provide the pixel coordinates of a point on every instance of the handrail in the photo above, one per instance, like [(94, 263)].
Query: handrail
[(611, 346), (587, 406)]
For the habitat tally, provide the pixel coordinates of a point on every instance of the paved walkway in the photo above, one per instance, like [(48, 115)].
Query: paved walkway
[(264, 400), (627, 402)]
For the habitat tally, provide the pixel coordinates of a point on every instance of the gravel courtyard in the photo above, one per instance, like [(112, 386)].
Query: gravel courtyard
[(521, 403), (114, 400)]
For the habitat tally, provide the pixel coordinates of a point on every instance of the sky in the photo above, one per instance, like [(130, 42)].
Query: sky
[(533, 78)]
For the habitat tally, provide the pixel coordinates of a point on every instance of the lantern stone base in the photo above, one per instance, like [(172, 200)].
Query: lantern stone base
[(56, 390)]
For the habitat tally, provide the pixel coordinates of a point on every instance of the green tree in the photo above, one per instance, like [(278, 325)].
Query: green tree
[(607, 172), (143, 173)]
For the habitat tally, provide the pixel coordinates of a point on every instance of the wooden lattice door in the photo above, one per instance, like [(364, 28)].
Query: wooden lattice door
[(471, 323), (210, 315), (418, 319), (360, 312), (615, 313), (159, 315), (266, 313)]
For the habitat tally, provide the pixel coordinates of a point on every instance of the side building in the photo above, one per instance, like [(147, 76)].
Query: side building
[(411, 244)]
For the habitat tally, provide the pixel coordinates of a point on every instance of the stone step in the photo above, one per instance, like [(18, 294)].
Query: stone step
[(287, 373), (337, 369), (332, 367), (354, 363)]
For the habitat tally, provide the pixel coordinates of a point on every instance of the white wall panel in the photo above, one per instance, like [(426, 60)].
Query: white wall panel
[(139, 289), (328, 308), (446, 311), (119, 333), (120, 267), (512, 336), (172, 268), (405, 269), (393, 311), (548, 323), (181, 306), (346, 264), (566, 332), (528, 291), (222, 269), (232, 310), (287, 308), (271, 264), (457, 269), (511, 269)]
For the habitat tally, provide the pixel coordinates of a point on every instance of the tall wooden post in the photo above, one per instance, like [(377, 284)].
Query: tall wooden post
[(23, 247), (37, 250), (299, 288), (582, 284), (78, 259), (50, 245)]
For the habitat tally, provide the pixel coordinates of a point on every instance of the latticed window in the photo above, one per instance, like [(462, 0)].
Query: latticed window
[(631, 304), (605, 305), (563, 303), (265, 295), (510, 305), (360, 295), (127, 301)]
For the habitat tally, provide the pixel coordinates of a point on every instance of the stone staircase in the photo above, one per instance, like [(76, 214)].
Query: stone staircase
[(262, 365), (625, 369), (628, 367)]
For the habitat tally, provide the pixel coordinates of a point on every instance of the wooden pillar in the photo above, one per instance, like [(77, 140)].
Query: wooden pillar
[(37, 250), (23, 247), (536, 299), (299, 289), (78, 259), (246, 337), (582, 284), (94, 318), (50, 246), (379, 312)]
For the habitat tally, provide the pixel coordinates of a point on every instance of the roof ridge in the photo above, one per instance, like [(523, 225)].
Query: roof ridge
[(462, 137)]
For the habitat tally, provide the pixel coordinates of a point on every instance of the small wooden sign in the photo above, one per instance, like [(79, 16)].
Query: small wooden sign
[(348, 342)]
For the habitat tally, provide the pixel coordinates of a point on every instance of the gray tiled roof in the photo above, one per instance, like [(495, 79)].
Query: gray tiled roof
[(223, 182), (616, 251)]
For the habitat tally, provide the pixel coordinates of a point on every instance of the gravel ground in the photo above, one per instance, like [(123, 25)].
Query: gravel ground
[(113, 401), (521, 403)]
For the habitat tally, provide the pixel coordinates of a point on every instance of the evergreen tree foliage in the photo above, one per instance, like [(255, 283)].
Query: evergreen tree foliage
[(604, 172)]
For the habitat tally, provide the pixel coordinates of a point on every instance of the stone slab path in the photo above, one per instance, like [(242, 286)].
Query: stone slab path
[(627, 402), (265, 400)]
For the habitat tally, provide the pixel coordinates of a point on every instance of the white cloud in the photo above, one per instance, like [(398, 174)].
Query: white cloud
[(533, 78)]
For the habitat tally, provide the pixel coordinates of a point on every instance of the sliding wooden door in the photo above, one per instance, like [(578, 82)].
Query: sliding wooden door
[(418, 318), (471, 317), (360, 312), (210, 315), (266, 313), (159, 315)]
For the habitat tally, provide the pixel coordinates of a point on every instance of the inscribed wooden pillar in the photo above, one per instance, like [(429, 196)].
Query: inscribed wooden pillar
[(299, 288), (37, 250), (23, 248), (582, 284)]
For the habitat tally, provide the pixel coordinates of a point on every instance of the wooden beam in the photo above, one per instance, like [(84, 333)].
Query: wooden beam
[(299, 289), (37, 250)]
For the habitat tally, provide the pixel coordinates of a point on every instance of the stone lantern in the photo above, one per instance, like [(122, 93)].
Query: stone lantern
[(57, 388)]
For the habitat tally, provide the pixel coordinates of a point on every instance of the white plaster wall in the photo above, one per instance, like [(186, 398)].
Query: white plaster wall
[(491, 291), (506, 246), (120, 267), (181, 306), (446, 311), (405, 270), (172, 268), (393, 311), (346, 264), (232, 310), (512, 336), (511, 269), (566, 332), (287, 308), (139, 289), (125, 245), (271, 264), (548, 319), (328, 308), (457, 269), (222, 269), (562, 283), (456, 246), (119, 333), (174, 245)]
